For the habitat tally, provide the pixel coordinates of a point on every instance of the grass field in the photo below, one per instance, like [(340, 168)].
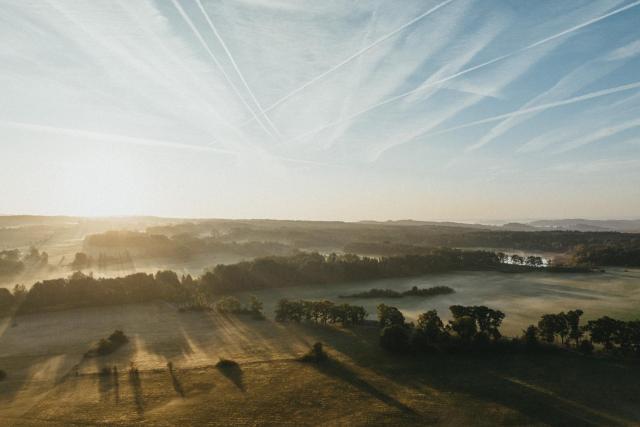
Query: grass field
[(49, 382)]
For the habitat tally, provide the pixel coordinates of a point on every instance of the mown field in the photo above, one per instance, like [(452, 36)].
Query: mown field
[(49, 383)]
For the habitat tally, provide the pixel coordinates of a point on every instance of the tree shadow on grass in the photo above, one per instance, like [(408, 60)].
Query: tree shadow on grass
[(495, 382), (109, 383), (558, 388), (234, 374), (336, 369), (105, 384), (136, 388), (177, 385)]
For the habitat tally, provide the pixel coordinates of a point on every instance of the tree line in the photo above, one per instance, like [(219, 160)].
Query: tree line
[(180, 246), (471, 326), (478, 327), (314, 268), (390, 293), (616, 336), (81, 290), (322, 312), (623, 255), (14, 262)]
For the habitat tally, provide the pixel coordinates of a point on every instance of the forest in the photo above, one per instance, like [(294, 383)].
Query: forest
[(179, 247), (82, 290), (383, 238), (249, 239), (622, 255), (314, 268)]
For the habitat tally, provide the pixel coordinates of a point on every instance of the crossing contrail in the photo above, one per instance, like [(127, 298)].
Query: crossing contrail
[(235, 67), (166, 51), (465, 71), (354, 56), (585, 97), (217, 63)]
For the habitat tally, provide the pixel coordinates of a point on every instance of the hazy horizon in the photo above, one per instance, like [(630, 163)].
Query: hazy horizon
[(470, 221), (450, 110)]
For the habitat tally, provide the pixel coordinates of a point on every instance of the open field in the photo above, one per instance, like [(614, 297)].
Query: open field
[(524, 297), (50, 383)]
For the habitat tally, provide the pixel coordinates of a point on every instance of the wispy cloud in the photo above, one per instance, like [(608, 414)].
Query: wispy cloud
[(107, 137), (524, 111), (599, 135), (235, 67), (577, 79), (213, 57), (308, 94), (357, 54), (465, 71)]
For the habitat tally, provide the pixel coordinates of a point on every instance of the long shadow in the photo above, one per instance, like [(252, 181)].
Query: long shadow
[(105, 384), (108, 383), (177, 386), (336, 369), (136, 387), (116, 385), (491, 381), (234, 374), (556, 389)]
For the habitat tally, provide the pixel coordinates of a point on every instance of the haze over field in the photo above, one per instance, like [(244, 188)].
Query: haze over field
[(455, 110), (304, 212)]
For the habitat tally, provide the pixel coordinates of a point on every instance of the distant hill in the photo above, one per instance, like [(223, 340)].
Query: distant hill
[(517, 226), (580, 224), (416, 223)]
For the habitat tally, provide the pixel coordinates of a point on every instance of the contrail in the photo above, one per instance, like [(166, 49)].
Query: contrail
[(520, 112), (112, 137), (465, 71), (146, 142), (187, 70), (235, 67), (598, 135), (354, 56), (215, 60), (357, 77)]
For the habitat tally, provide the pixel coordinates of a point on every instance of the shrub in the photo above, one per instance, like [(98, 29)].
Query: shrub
[(229, 305), (530, 336), (107, 346), (3, 375), (315, 355), (585, 347), (226, 363), (256, 306), (105, 372), (394, 338)]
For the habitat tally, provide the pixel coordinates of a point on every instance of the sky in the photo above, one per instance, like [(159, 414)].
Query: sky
[(463, 110)]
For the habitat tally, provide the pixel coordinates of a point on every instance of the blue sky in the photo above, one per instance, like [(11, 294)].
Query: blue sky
[(456, 109)]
